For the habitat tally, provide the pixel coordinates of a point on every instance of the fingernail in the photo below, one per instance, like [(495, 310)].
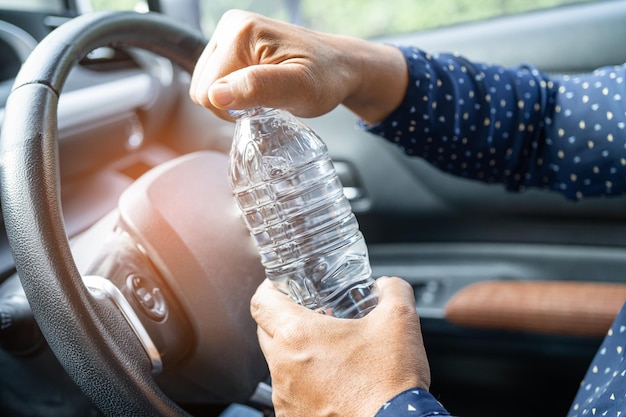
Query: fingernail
[(221, 94)]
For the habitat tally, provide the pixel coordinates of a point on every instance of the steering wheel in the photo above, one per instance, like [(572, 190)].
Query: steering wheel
[(102, 335)]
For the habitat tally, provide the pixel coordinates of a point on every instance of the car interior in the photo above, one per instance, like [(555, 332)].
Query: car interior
[(126, 275)]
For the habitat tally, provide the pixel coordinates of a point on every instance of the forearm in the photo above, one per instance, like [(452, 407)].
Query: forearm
[(471, 120), (515, 126)]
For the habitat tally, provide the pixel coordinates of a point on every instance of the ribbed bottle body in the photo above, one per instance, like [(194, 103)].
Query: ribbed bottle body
[(293, 204)]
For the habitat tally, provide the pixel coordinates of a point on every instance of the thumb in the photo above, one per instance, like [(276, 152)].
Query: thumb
[(394, 292), (287, 86), (270, 308)]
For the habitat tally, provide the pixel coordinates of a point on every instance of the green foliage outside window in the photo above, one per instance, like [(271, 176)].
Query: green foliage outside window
[(363, 18), (115, 4), (372, 18)]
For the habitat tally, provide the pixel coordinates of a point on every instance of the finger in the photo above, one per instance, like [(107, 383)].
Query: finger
[(271, 309), (200, 65), (227, 51), (395, 291), (211, 66)]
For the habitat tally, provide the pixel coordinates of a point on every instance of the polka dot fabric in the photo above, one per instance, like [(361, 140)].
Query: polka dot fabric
[(603, 390), (524, 129), (415, 402), (514, 126)]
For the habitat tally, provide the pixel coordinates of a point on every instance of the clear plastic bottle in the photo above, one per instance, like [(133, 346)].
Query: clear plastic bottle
[(293, 204)]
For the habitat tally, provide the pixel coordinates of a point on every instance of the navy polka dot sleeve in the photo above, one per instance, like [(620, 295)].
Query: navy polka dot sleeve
[(603, 390), (514, 126), (522, 128), (415, 402)]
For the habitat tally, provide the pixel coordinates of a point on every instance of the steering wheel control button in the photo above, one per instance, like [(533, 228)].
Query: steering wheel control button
[(148, 296)]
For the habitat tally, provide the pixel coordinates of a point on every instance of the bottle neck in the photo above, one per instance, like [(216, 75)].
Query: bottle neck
[(251, 112)]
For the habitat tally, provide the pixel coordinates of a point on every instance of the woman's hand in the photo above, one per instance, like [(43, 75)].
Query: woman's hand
[(321, 365), (252, 60)]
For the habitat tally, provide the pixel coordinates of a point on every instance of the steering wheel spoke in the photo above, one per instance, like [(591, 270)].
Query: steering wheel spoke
[(103, 288)]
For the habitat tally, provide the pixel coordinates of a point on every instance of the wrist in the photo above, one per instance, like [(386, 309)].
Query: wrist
[(381, 79), (377, 396)]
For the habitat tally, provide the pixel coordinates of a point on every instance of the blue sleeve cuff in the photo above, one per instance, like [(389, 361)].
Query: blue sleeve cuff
[(415, 402)]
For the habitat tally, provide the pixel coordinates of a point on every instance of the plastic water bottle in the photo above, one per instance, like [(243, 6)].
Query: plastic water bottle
[(292, 202)]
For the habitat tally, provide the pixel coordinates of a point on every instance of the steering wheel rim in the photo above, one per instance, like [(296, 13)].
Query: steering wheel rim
[(94, 344)]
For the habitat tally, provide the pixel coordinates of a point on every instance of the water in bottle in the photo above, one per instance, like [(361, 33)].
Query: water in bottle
[(292, 202)]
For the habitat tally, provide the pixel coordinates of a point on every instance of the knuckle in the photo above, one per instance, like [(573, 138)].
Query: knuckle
[(235, 15), (244, 21), (255, 306), (402, 284)]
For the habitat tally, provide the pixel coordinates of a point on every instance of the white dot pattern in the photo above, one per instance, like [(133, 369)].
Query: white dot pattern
[(516, 126), (415, 402), (603, 390), (525, 129)]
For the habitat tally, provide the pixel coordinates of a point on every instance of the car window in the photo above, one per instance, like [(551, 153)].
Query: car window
[(47, 5), (95, 5), (374, 18)]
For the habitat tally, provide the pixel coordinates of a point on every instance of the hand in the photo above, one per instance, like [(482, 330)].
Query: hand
[(252, 61), (321, 365)]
